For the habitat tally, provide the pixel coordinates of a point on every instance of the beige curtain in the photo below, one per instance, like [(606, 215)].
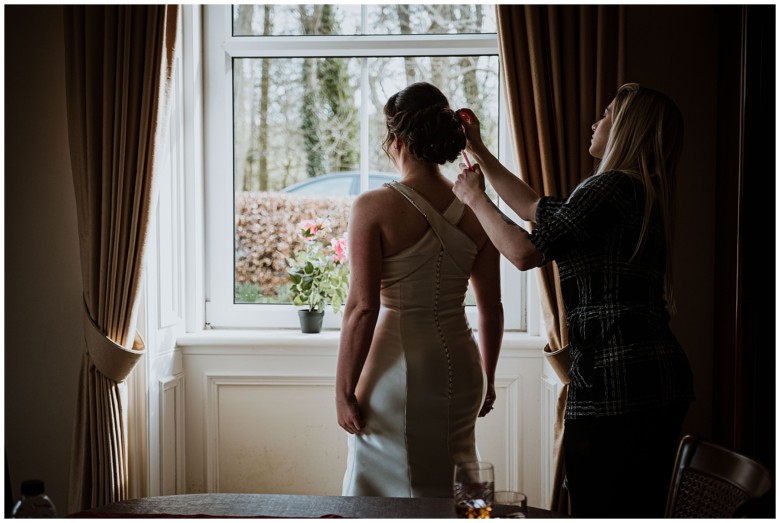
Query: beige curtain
[(560, 65), (118, 69)]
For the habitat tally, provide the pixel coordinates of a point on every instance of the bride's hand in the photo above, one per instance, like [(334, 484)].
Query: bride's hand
[(349, 417), (490, 398)]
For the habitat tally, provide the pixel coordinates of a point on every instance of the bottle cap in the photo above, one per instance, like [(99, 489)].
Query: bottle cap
[(32, 487)]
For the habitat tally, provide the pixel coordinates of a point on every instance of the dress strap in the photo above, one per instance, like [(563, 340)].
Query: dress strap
[(443, 226)]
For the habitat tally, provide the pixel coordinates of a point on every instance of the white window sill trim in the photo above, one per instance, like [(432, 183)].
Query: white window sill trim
[(267, 341)]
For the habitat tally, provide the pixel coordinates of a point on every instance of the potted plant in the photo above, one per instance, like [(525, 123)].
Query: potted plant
[(319, 273)]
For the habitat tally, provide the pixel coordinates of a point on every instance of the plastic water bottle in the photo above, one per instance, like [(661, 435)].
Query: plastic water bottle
[(34, 502)]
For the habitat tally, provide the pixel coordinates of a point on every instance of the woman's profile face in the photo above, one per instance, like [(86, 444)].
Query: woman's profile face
[(598, 142)]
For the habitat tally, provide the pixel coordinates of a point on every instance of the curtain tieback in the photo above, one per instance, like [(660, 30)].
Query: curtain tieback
[(112, 360), (560, 361)]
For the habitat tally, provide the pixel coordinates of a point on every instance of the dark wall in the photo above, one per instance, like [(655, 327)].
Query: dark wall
[(43, 331)]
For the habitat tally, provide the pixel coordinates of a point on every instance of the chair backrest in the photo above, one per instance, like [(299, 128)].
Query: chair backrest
[(710, 481)]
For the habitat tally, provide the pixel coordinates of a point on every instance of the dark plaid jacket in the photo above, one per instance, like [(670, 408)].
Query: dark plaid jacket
[(624, 356)]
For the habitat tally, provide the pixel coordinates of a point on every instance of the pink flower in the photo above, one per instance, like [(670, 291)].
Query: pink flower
[(308, 228), (339, 246)]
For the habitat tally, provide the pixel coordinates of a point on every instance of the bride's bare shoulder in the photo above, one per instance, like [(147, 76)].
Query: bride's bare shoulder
[(377, 201)]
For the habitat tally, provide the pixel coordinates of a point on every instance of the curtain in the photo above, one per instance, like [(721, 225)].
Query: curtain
[(118, 63), (561, 65)]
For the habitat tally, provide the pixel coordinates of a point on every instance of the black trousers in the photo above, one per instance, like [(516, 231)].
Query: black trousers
[(621, 466)]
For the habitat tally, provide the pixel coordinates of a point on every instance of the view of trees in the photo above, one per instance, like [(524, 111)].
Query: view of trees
[(301, 117)]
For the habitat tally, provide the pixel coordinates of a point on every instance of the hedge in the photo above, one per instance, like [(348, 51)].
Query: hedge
[(267, 233)]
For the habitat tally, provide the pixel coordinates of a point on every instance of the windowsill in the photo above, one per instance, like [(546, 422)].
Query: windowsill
[(242, 341)]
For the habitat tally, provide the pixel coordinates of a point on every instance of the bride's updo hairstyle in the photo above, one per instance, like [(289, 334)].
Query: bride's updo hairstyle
[(421, 117)]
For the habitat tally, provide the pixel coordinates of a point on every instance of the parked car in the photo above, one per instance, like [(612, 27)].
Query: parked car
[(345, 183)]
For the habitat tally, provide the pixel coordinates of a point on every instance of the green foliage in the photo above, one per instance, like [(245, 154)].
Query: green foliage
[(319, 275), (247, 292)]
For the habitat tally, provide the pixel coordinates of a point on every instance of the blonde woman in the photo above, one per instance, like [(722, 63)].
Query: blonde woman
[(631, 383)]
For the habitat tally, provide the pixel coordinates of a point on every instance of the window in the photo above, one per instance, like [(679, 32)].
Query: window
[(294, 125)]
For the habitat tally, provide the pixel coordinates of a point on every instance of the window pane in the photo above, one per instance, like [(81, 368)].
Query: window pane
[(345, 19), (296, 20), (296, 129), (431, 19), (295, 124), (294, 119)]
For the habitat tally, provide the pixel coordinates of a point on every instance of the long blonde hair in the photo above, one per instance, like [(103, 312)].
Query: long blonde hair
[(645, 141)]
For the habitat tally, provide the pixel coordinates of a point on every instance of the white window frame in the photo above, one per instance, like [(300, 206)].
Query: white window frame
[(219, 48)]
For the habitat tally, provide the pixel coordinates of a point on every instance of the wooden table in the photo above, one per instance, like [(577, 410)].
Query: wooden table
[(288, 506)]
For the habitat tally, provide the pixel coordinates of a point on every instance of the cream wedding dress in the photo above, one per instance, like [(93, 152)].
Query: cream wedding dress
[(422, 385)]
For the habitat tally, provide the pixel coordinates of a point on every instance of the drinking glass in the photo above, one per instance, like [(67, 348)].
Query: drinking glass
[(473, 489), (517, 504)]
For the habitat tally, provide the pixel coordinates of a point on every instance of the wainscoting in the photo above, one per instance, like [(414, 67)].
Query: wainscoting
[(172, 442), (260, 416)]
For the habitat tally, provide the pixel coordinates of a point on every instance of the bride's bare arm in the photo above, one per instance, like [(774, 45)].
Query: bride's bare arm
[(361, 310), (486, 282)]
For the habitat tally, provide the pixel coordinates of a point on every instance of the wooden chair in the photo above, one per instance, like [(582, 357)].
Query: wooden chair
[(710, 481)]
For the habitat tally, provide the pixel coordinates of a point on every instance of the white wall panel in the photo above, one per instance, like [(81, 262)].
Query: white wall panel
[(287, 440), (261, 418), (550, 389), (172, 442)]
